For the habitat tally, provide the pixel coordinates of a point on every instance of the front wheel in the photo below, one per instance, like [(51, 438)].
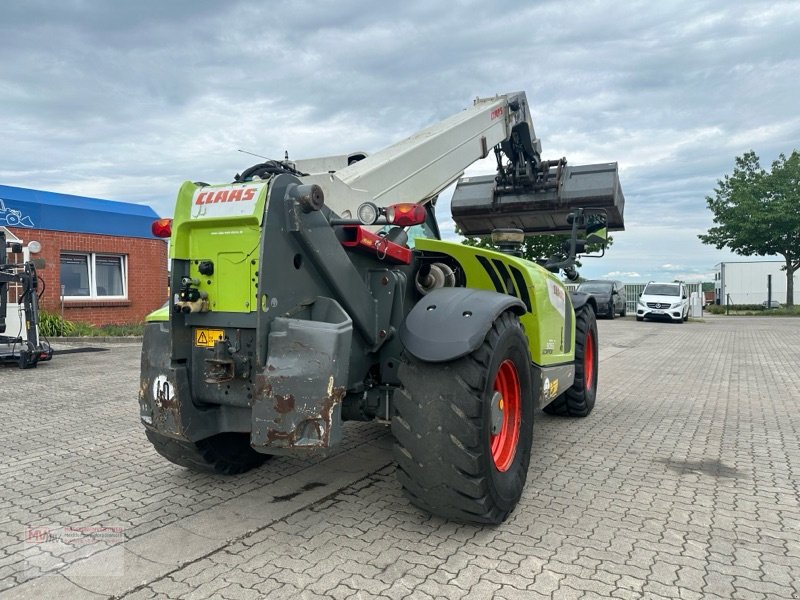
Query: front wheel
[(463, 429), (578, 400), (612, 312)]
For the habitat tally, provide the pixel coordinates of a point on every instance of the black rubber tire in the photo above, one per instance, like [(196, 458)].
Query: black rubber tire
[(579, 399), (225, 453), (624, 311), (611, 311), (442, 427), (640, 318)]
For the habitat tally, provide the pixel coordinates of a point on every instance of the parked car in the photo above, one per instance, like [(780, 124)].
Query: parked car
[(771, 304), (610, 296), (663, 301)]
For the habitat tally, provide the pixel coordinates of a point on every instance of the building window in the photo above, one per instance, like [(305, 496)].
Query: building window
[(94, 275)]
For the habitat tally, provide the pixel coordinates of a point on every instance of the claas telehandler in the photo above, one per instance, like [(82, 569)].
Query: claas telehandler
[(312, 292)]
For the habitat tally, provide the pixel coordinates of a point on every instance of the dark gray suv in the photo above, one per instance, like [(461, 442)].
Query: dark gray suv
[(610, 296)]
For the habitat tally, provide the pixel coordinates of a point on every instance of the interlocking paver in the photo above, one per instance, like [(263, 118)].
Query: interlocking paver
[(681, 484)]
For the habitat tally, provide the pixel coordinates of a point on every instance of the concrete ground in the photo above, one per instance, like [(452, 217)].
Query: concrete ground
[(683, 483)]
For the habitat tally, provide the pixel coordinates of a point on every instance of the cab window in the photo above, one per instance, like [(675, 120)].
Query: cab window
[(420, 231)]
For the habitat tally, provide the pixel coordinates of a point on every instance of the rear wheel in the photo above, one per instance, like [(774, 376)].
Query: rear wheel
[(463, 429), (226, 453), (578, 400), (624, 311)]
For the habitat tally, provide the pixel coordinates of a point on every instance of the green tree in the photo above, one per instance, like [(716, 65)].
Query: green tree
[(536, 247), (758, 212)]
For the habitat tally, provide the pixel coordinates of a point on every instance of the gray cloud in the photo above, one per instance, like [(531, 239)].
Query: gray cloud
[(126, 100)]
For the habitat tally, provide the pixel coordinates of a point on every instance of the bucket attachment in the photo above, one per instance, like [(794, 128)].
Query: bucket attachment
[(479, 206)]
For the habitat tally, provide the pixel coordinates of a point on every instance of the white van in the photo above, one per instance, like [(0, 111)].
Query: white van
[(663, 301)]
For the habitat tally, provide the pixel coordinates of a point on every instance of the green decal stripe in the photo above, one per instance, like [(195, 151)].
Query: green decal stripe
[(522, 287), (511, 276), (506, 276), (492, 274)]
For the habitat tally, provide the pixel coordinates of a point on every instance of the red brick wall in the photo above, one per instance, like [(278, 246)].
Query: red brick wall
[(147, 274)]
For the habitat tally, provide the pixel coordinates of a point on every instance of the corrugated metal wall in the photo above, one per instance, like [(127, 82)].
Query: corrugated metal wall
[(746, 282)]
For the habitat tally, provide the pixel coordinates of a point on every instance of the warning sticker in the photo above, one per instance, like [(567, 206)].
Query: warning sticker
[(549, 388), (205, 338)]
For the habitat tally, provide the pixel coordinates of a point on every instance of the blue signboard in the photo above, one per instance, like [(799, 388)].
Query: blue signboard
[(35, 209)]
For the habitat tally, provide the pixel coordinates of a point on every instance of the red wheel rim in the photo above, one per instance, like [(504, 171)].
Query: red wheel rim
[(588, 362), (504, 444)]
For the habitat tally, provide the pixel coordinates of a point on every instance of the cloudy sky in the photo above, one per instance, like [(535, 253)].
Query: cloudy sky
[(125, 100)]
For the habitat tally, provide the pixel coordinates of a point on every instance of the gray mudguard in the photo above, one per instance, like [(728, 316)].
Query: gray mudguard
[(451, 322), (581, 298)]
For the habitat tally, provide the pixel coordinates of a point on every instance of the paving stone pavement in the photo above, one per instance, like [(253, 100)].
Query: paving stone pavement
[(681, 484)]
